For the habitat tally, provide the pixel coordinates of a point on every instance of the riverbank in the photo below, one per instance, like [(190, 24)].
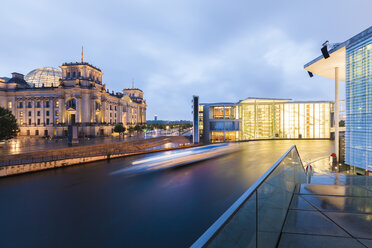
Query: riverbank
[(42, 160)]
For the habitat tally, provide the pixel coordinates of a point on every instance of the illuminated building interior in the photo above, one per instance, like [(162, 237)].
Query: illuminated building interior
[(254, 118)]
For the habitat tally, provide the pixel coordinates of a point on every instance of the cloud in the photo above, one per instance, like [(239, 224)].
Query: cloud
[(218, 50)]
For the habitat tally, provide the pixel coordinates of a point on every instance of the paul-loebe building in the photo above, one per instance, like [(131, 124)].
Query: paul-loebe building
[(265, 118), (351, 61), (47, 100)]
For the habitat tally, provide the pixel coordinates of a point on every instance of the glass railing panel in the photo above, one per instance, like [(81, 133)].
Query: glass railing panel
[(274, 196), (240, 231), (257, 217)]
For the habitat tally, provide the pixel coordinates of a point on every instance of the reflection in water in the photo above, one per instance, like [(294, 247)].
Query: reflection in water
[(15, 146), (29, 144)]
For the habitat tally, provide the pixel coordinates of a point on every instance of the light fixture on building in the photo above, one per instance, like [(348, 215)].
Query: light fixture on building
[(324, 50)]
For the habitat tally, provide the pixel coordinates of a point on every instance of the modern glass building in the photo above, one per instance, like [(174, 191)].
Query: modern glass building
[(265, 118), (358, 136), (351, 61)]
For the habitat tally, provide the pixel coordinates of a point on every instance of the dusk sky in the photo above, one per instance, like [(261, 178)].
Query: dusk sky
[(223, 51)]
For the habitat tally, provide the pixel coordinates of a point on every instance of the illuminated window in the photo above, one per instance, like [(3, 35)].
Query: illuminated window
[(57, 104), (57, 121), (21, 114), (21, 121), (217, 112), (10, 105), (57, 112)]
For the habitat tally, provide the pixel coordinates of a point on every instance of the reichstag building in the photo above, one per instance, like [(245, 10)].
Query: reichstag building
[(47, 100)]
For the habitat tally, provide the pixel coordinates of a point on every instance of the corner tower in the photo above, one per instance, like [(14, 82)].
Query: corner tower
[(84, 73)]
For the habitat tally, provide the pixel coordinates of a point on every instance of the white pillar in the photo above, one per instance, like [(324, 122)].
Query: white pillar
[(336, 114)]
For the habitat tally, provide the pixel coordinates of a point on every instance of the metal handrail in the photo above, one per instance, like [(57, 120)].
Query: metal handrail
[(234, 208)]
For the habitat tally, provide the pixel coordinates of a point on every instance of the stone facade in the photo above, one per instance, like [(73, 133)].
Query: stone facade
[(79, 99)]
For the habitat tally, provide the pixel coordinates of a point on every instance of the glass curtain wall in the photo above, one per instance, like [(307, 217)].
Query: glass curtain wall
[(248, 121), (224, 123), (286, 120), (358, 135)]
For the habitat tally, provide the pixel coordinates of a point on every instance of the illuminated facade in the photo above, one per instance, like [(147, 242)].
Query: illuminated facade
[(45, 108), (351, 61), (263, 118), (358, 135)]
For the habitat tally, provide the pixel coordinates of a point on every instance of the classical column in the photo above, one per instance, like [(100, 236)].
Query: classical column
[(42, 122), (34, 112), (25, 114), (336, 114), (93, 110), (61, 116), (51, 113), (78, 109)]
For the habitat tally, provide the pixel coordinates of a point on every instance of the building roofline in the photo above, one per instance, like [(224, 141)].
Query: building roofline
[(132, 89), (81, 63), (355, 39), (311, 101), (219, 103)]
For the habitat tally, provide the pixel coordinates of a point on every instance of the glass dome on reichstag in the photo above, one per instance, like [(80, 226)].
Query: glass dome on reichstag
[(44, 77)]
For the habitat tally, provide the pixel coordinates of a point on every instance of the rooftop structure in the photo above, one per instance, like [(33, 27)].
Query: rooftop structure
[(44, 77)]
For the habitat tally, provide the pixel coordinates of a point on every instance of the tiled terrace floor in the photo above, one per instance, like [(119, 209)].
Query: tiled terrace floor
[(333, 212)]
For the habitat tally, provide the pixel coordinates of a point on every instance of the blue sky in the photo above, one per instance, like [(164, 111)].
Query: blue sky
[(219, 50)]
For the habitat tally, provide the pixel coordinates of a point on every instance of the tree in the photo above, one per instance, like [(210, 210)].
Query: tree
[(130, 130), (119, 128), (8, 124), (137, 128)]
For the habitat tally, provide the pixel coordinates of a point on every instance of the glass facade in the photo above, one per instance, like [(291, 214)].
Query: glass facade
[(290, 120), (266, 119), (358, 133)]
